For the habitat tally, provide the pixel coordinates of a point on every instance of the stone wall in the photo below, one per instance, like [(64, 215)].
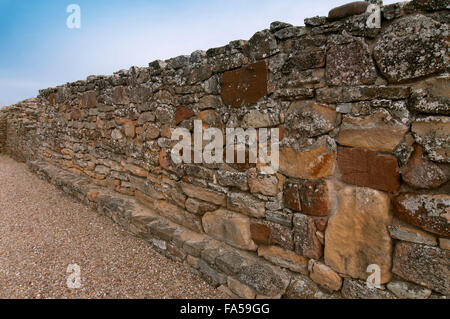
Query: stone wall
[(364, 155), (2, 131)]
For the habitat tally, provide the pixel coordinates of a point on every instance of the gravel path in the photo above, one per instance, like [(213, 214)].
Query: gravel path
[(42, 231)]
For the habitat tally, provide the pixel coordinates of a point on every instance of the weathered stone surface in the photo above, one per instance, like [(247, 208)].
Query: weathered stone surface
[(232, 228), (393, 11), (246, 86), (278, 25), (429, 212), (246, 204), (421, 173), (325, 276), (291, 196), (412, 47), (306, 241), (310, 58), (233, 179), (130, 129), (310, 119), (290, 32), (284, 258), (363, 216), (182, 113), (344, 94), (379, 131), (316, 197), (269, 233), (357, 289), (444, 243), (199, 207), (89, 99), (424, 265), (347, 10), (366, 168), (302, 287), (427, 5), (204, 194), (211, 275), (262, 183), (433, 133), (229, 262), (349, 61), (407, 290), (261, 45), (265, 280), (240, 289), (179, 216), (412, 235), (314, 162), (259, 118), (283, 218), (136, 170), (431, 96)]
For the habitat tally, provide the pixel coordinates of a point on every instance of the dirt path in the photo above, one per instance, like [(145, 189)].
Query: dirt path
[(43, 231)]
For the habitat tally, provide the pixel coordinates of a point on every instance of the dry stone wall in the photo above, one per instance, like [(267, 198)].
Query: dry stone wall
[(2, 132), (363, 115)]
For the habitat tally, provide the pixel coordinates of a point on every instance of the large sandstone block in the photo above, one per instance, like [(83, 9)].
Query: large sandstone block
[(246, 86), (429, 212), (378, 131), (412, 47), (366, 168), (314, 162), (357, 234), (424, 265), (232, 228)]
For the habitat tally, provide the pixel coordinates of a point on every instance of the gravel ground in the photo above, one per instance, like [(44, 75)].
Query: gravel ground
[(43, 231)]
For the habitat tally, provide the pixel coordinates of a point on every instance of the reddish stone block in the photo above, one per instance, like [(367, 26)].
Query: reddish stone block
[(429, 212), (366, 168), (292, 196), (268, 233), (246, 86), (315, 198), (182, 113), (89, 99), (260, 233), (52, 99)]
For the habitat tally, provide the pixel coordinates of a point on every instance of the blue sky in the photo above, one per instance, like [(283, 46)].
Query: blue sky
[(37, 50)]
